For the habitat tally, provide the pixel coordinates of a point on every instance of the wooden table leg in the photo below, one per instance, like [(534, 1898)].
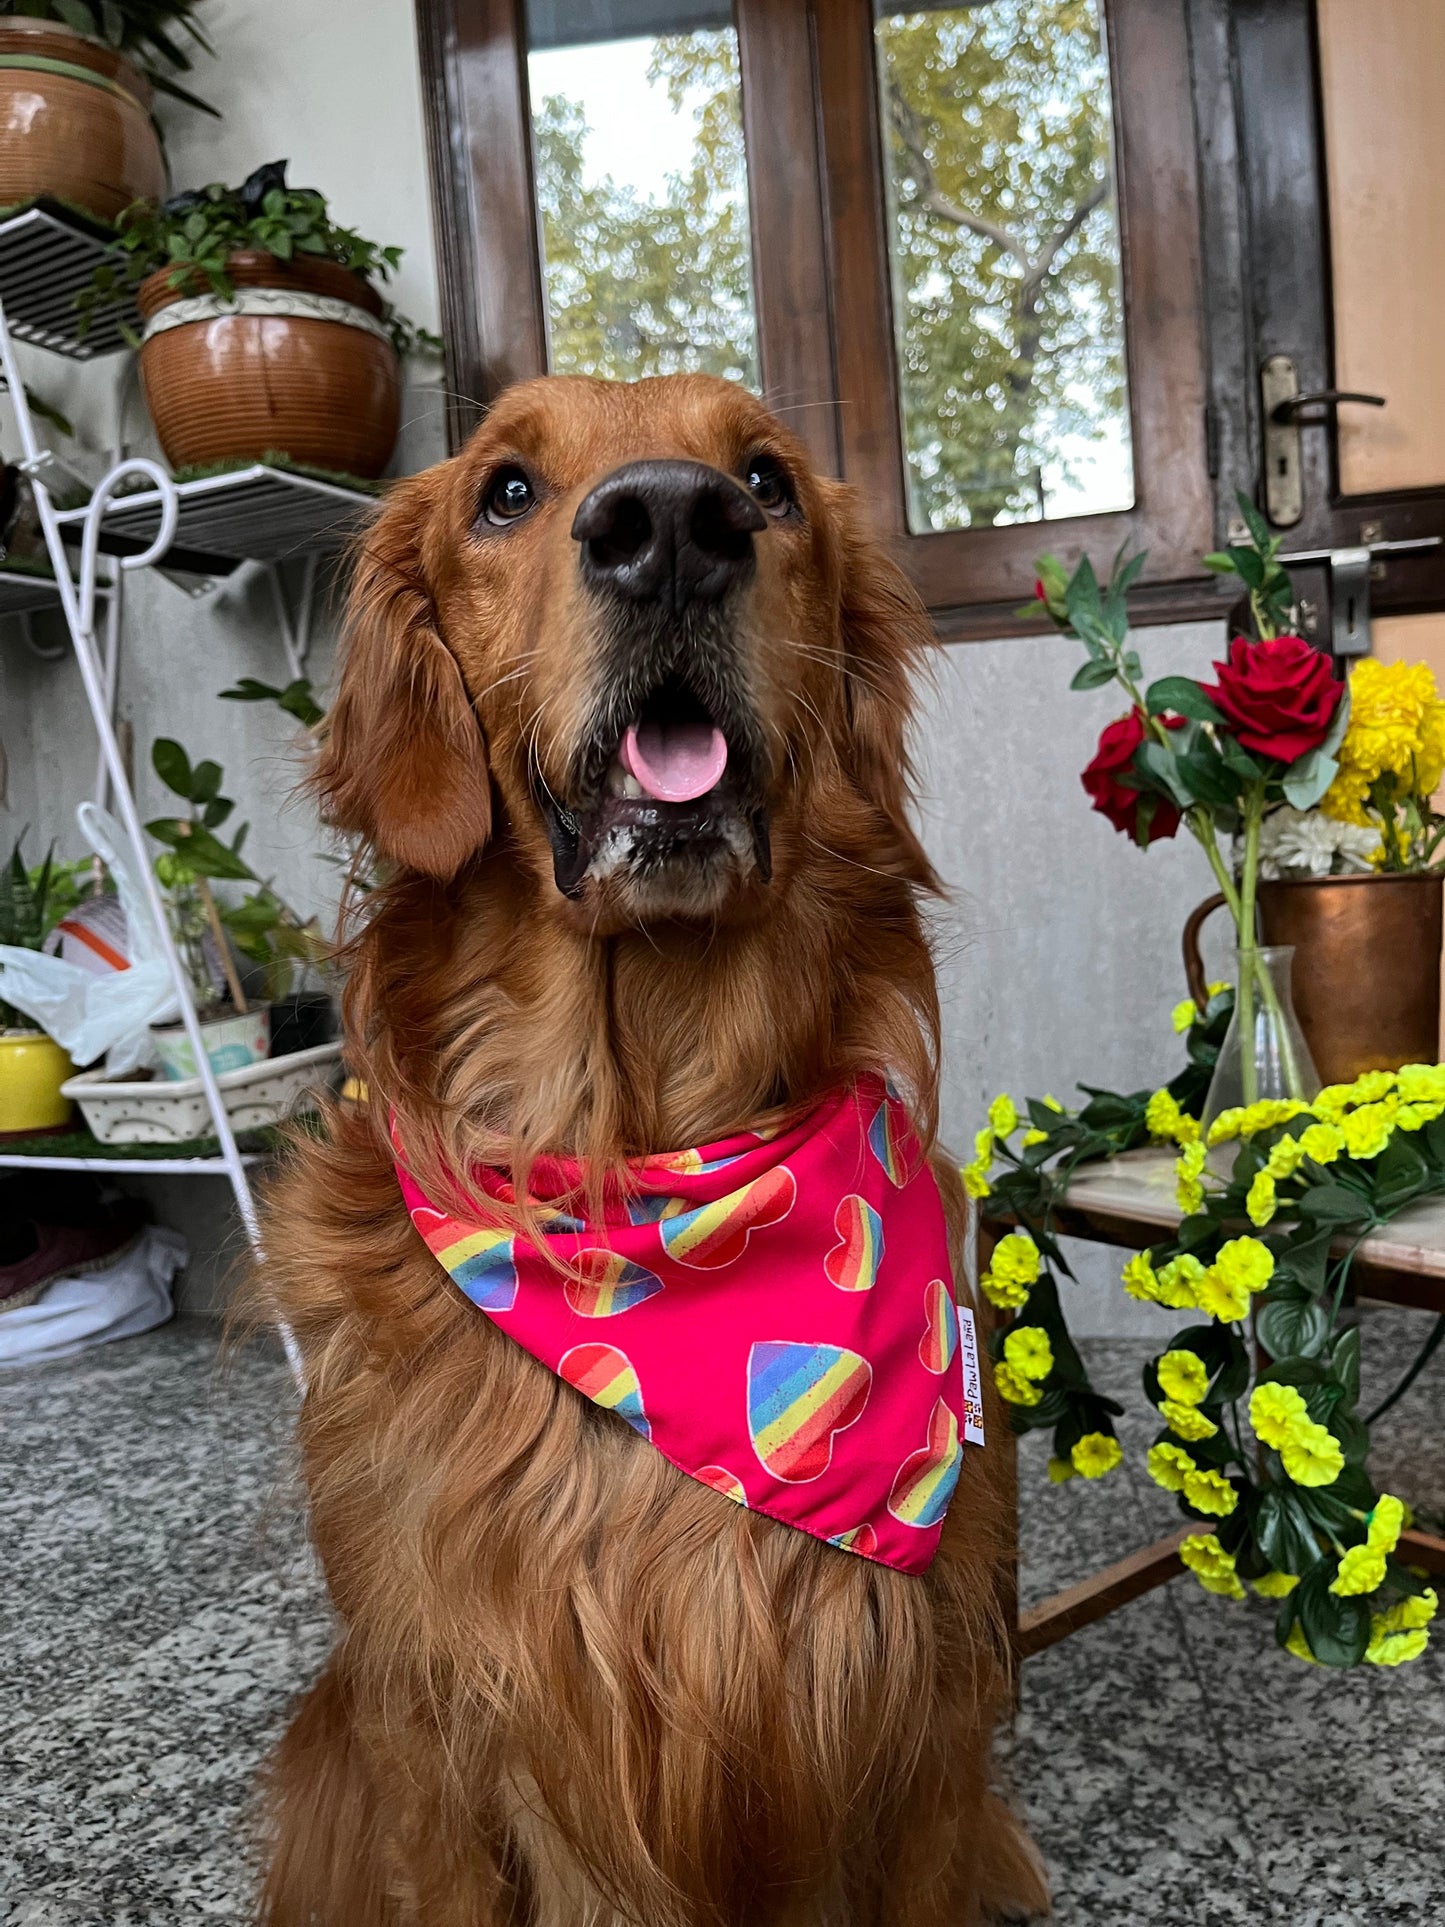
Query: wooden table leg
[(1104, 1592)]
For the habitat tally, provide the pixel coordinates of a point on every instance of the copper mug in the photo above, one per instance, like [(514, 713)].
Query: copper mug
[(1366, 966)]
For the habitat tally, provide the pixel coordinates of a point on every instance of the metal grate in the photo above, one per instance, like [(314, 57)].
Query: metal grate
[(20, 592), (256, 514), (46, 257)]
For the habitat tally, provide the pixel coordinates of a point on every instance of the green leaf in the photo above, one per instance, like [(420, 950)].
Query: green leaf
[(1164, 771), (1345, 1363), (209, 857), (1307, 780), (205, 782), (1292, 1326), (1207, 778), (1283, 1531), (1337, 1630), (1248, 565), (1334, 1204), (1092, 675), (1184, 696), (1258, 528), (216, 812), (1219, 562), (173, 766), (1400, 1174), (1353, 1435)]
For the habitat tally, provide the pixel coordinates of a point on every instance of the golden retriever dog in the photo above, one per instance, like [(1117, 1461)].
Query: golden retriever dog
[(572, 1687)]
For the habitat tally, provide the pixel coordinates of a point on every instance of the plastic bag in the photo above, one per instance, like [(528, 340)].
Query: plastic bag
[(129, 1295), (90, 1015)]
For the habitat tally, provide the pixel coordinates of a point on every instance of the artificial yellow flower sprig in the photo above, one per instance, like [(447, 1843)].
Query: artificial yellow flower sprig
[(1270, 1462), (1024, 1164)]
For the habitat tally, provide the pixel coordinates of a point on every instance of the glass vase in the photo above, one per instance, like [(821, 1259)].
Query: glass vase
[(1264, 1053)]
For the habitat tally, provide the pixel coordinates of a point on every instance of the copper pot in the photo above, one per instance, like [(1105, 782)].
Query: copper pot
[(238, 386), (1366, 966), (85, 135)]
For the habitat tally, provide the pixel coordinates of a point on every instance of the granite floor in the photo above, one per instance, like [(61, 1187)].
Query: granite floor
[(158, 1610)]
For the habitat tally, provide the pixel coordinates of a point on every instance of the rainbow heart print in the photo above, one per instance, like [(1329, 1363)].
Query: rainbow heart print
[(606, 1376), (481, 1261), (799, 1397), (852, 1264), (712, 1235), (608, 1285)]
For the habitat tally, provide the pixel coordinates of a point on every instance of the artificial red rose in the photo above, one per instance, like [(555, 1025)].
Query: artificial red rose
[(1278, 697), (1114, 759)]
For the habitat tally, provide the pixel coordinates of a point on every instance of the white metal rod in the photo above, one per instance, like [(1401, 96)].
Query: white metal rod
[(78, 602), (111, 672)]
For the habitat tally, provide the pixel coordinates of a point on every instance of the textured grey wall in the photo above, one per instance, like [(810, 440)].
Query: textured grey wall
[(1060, 945)]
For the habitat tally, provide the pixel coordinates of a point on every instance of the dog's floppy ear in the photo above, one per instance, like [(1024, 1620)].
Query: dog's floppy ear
[(886, 636), (403, 760)]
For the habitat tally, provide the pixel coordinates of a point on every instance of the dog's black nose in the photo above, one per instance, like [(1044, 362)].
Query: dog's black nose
[(667, 532)]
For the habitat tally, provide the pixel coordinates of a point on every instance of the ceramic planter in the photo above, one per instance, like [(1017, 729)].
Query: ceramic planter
[(297, 362), (232, 1042), (74, 121), (130, 1111), (33, 1068)]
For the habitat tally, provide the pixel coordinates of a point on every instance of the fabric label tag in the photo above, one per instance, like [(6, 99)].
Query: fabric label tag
[(972, 1384)]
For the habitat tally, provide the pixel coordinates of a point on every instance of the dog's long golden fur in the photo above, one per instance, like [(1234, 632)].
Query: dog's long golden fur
[(571, 1685)]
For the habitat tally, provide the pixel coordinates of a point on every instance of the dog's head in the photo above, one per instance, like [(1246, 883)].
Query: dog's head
[(629, 628)]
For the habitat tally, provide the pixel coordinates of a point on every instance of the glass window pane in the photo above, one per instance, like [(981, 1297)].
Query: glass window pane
[(641, 187), (1004, 239)]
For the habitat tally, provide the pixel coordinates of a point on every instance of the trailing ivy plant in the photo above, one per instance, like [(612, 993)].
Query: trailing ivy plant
[(1260, 1436), (158, 35)]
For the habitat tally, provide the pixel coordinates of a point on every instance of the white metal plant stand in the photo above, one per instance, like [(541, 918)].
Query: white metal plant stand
[(205, 527)]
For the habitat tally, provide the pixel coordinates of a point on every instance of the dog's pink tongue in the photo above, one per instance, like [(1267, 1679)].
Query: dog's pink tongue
[(674, 762)]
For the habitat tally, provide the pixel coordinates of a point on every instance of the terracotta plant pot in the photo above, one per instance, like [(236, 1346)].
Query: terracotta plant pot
[(299, 364), (32, 1069), (74, 121), (1366, 967)]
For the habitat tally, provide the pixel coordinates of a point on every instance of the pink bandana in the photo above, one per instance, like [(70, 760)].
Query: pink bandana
[(775, 1314)]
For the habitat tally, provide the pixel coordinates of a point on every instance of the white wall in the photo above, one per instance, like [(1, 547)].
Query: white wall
[(1060, 949)]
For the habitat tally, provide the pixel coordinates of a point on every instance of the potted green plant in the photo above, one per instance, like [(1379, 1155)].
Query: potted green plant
[(264, 331), (32, 1066), (261, 927), (76, 81)]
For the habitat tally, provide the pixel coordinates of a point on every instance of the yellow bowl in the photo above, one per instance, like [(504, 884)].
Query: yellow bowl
[(32, 1069)]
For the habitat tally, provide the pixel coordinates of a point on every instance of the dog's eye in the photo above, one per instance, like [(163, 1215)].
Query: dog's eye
[(768, 482), (509, 495)]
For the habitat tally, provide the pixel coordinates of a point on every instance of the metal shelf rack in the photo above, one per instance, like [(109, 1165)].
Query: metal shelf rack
[(206, 527)]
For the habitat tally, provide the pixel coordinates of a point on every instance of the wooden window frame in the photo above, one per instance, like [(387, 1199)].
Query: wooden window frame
[(822, 278)]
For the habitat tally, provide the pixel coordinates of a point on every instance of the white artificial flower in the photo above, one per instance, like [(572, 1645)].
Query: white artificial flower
[(1307, 843)]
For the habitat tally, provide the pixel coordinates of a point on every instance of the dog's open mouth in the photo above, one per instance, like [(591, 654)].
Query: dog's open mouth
[(671, 790)]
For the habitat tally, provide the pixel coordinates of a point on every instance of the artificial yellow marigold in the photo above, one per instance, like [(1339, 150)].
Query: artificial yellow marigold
[(1183, 1375), (1051, 1103), (1322, 1143), (1183, 1015), (1394, 1649), (1164, 1119), (1285, 1159), (1362, 1570), (1410, 1117), (1095, 1454), (975, 1177), (1210, 1492), (1385, 1523), (1029, 1352), (1260, 1202), (1186, 1422), (1013, 1270), (1030, 1138), (1311, 1455), (1189, 1192), (1211, 1565), (1249, 1120), (1176, 1282), (1241, 1267), (1139, 1279), (1394, 730), (1013, 1386), (1275, 1410), (1003, 1116), (1060, 1470), (1275, 1585), (1367, 1131), (1422, 1084), (1169, 1466), (1412, 1613)]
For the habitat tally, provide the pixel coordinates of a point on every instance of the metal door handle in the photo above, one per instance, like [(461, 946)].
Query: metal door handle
[(1293, 406)]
